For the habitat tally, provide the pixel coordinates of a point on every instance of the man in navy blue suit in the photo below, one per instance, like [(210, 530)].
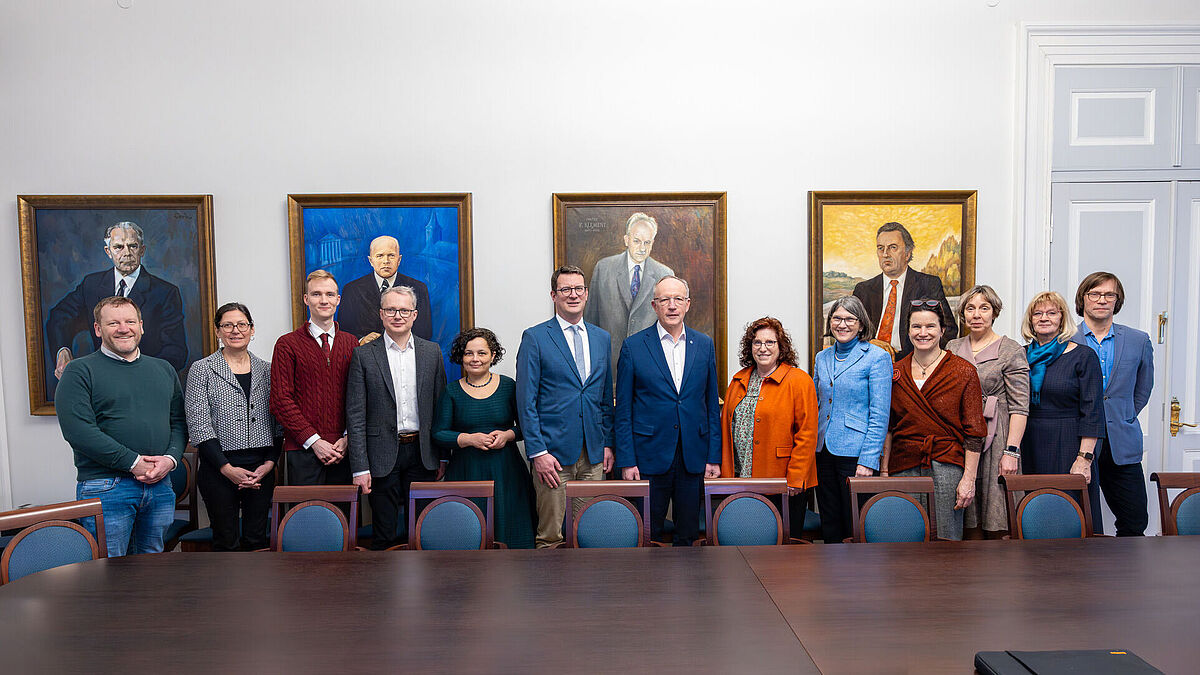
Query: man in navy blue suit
[(668, 420), (159, 301), (1127, 366), (564, 401), (359, 311)]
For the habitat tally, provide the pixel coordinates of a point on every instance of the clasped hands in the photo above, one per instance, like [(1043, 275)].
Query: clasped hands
[(152, 468), (245, 479), (330, 453), (493, 440)]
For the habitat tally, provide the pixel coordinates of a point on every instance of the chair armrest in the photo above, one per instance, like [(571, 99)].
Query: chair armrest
[(397, 547), (793, 540)]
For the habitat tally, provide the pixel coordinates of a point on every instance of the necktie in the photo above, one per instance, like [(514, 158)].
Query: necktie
[(577, 338), (325, 344), (384, 286), (121, 288), (889, 315), (636, 284)]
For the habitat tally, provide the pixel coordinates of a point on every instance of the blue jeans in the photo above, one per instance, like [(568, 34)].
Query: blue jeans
[(135, 514)]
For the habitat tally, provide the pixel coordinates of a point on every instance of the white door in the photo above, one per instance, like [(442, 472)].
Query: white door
[(1123, 228), (1182, 451)]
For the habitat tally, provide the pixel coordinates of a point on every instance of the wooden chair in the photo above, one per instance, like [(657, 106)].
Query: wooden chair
[(892, 514), (183, 480), (315, 519), (49, 538), (608, 519), (1047, 511), (745, 513), (451, 521), (1182, 514)]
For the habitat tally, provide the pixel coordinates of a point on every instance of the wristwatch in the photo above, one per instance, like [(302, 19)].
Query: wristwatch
[(1087, 455), (1013, 451)]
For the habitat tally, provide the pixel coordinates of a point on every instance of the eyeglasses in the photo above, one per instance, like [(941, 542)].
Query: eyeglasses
[(925, 303), (671, 301), (1048, 313), (759, 344), (404, 313), (572, 290), (1096, 296), (241, 326), (843, 320)]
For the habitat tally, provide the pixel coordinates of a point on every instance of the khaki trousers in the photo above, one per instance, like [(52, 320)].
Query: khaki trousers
[(552, 502)]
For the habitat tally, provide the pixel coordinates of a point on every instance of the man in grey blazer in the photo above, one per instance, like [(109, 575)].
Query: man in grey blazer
[(623, 283), (1127, 366), (391, 390)]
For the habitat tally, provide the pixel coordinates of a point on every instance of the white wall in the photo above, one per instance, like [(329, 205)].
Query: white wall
[(512, 101)]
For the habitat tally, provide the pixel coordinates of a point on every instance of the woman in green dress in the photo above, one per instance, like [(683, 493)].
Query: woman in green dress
[(477, 419)]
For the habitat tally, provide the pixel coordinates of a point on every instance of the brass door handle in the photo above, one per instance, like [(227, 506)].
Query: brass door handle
[(1176, 425)]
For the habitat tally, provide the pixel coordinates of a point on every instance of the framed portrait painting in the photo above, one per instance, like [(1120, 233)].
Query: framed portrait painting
[(608, 235), (418, 240), (156, 250), (849, 255)]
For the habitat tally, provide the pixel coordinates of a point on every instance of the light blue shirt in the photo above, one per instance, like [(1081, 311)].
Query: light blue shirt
[(1105, 349)]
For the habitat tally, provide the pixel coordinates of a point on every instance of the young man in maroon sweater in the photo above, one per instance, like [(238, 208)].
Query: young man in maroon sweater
[(308, 389)]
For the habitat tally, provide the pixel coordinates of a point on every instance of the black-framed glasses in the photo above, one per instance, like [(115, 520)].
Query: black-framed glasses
[(843, 320), (404, 313), (1097, 296), (571, 290), (241, 326), (926, 303)]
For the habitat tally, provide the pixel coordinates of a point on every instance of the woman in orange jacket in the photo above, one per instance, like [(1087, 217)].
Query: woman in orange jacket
[(769, 422)]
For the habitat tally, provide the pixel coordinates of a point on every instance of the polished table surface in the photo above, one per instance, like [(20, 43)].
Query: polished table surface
[(872, 608)]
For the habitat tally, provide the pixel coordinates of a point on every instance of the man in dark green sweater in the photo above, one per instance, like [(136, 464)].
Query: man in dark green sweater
[(122, 414)]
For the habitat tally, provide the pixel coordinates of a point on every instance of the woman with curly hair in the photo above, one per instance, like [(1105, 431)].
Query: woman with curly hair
[(769, 422), (477, 419)]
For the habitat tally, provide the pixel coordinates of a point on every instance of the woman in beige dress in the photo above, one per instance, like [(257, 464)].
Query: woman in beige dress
[(1004, 376)]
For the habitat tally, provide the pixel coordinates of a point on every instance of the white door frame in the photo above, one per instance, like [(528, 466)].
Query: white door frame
[(1040, 49)]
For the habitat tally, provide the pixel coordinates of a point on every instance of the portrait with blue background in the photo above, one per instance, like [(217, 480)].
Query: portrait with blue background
[(337, 239)]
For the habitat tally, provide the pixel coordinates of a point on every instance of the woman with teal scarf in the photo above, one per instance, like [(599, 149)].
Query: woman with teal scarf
[(1066, 413)]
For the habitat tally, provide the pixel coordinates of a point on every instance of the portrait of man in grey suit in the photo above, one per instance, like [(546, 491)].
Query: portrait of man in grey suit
[(622, 285), (391, 389)]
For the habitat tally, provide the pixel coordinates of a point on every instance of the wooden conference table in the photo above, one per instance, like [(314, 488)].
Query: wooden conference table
[(874, 608)]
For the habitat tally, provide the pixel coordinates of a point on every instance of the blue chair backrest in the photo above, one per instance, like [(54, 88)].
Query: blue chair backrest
[(607, 524), (1187, 518), (746, 521), (1050, 516), (312, 528), (45, 548), (893, 519), (450, 526)]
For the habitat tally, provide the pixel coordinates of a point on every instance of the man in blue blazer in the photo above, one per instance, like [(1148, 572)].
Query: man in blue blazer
[(668, 422), (564, 401), (1127, 365)]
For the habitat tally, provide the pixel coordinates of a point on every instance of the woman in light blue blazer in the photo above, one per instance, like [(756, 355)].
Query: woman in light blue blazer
[(854, 397)]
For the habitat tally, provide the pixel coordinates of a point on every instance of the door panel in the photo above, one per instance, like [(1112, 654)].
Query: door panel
[(1115, 117), (1182, 452)]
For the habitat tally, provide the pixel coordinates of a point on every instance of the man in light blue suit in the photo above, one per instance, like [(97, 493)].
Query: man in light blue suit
[(1127, 366), (564, 401), (668, 422)]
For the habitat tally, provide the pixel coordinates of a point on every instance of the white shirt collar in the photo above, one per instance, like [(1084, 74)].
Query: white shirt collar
[(565, 325), (315, 331), (662, 332), (137, 354), (379, 280), (389, 343), (629, 263), (887, 283), (130, 278)]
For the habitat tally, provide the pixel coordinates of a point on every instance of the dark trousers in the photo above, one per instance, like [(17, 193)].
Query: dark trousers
[(224, 500), (305, 469), (833, 495), (1124, 488), (682, 489), (389, 496)]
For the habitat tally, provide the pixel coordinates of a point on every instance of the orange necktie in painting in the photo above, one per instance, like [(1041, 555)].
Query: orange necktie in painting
[(889, 315)]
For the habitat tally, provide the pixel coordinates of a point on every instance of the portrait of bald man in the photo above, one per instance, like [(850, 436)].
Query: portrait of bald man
[(359, 313)]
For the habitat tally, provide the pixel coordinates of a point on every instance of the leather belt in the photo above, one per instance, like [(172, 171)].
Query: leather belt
[(409, 436)]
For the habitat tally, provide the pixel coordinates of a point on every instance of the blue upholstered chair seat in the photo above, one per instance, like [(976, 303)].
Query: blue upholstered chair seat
[(1050, 516), (4, 541), (607, 524), (1187, 518), (312, 528), (451, 526), (746, 521), (893, 519), (177, 526), (46, 548)]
